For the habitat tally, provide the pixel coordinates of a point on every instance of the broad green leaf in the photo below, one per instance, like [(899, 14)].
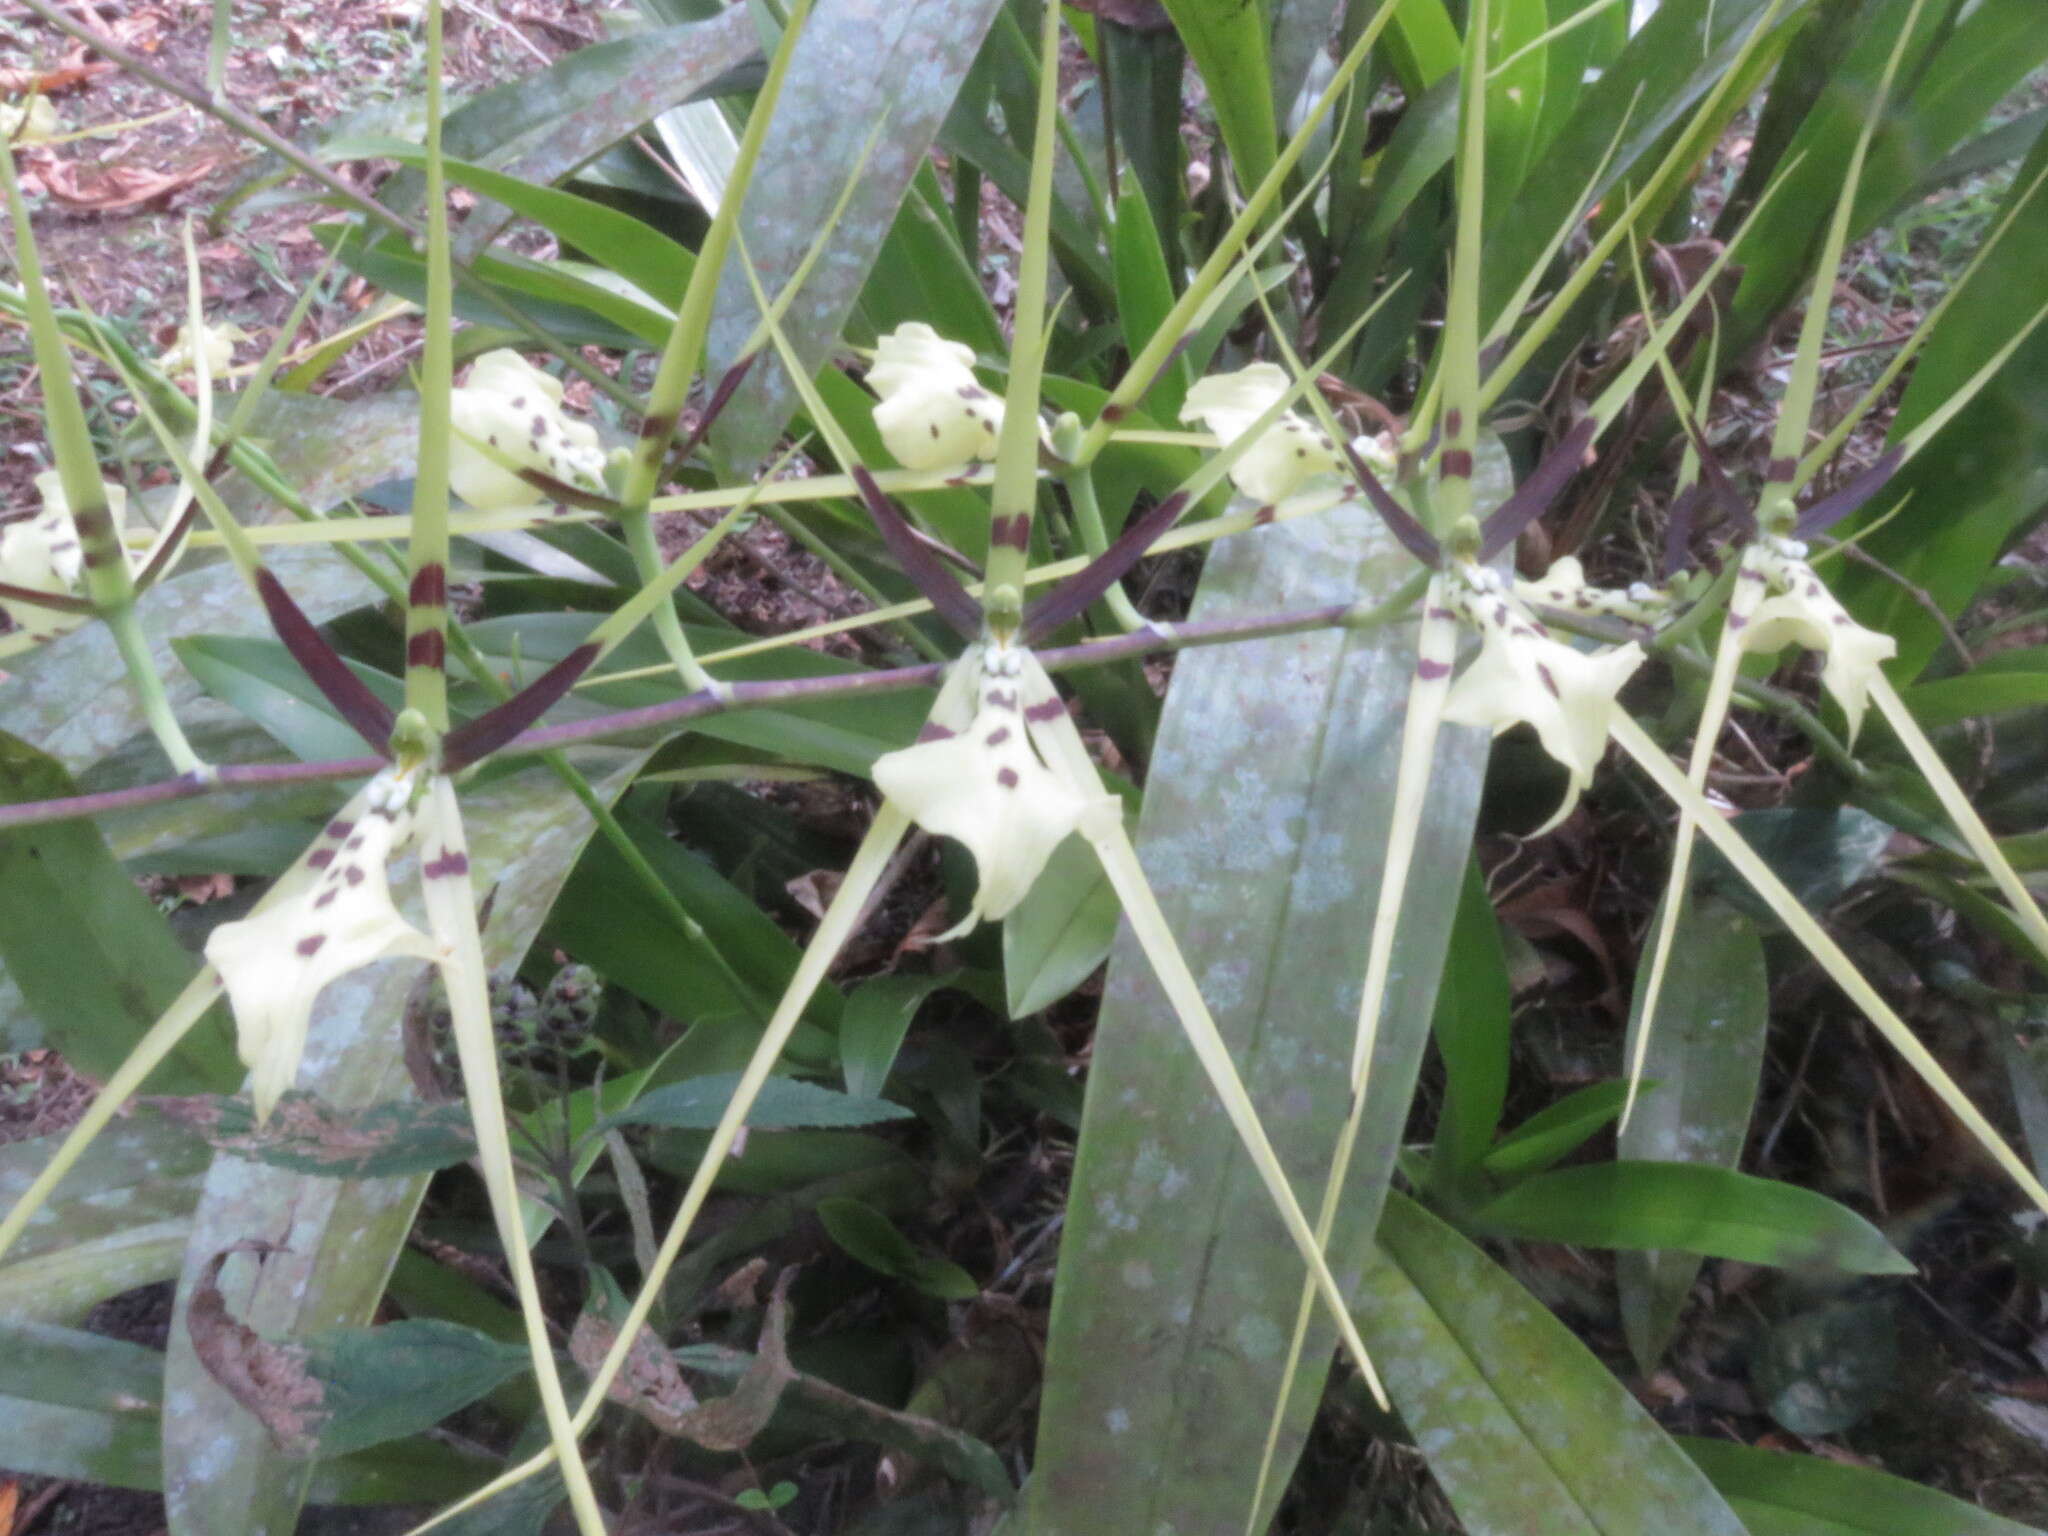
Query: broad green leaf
[(872, 1026), (222, 1471), (306, 1135), (785, 1103), (872, 1238), (141, 1170), (67, 1281), (1820, 854), (1974, 695), (1228, 42), (912, 55), (68, 1367), (1554, 1132), (1514, 93), (1144, 295), (1058, 935), (1696, 1207), (1826, 1369), (1470, 1026), (260, 678), (1706, 1055), (1266, 862), (94, 960), (379, 1384), (1779, 1494), (1528, 1433)]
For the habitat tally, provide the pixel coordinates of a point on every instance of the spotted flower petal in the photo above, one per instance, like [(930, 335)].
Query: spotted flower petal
[(1802, 611), (1286, 455), (1522, 674), (933, 411), (982, 783), (1565, 586), (331, 915), (43, 554), (514, 409), (216, 344)]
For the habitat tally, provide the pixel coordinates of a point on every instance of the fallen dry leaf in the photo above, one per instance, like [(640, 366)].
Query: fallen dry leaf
[(118, 186)]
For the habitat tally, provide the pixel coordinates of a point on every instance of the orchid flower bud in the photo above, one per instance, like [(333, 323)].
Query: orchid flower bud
[(330, 915), (513, 409), (975, 776), (933, 412), (43, 554), (1286, 455)]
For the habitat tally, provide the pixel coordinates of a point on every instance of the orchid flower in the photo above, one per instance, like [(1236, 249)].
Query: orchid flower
[(507, 418), (34, 122), (1286, 455), (934, 413), (978, 775), (44, 554), (1564, 586), (1798, 609), (216, 344)]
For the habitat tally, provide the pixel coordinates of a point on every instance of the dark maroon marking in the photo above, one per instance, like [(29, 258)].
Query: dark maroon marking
[(494, 727), (384, 812), (1454, 422), (1443, 613), (940, 587), (353, 874), (428, 648), (1829, 510), (728, 386), (935, 429), (320, 858), (963, 478), (1533, 497), (429, 587), (972, 392), (1840, 618), (1000, 698), (555, 489), (349, 694), (98, 557), (1007, 777), (1262, 517), (931, 730), (1781, 471), (1430, 671), (1044, 710), (1301, 453), (338, 828), (1013, 532), (997, 736), (94, 523), (452, 862), (519, 402), (327, 896), (1549, 682), (653, 426), (1749, 573), (540, 427), (64, 548), (1401, 523), (310, 944), (1072, 597), (1500, 614), (1738, 620), (1113, 413), (1457, 464), (354, 842)]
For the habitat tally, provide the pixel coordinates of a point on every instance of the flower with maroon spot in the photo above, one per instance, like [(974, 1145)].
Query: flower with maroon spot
[(1800, 610), (933, 412), (43, 554), (507, 417), (329, 915), (1284, 456), (976, 776)]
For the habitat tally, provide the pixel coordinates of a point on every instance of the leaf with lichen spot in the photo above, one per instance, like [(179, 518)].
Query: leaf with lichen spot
[(268, 1379), (308, 1135)]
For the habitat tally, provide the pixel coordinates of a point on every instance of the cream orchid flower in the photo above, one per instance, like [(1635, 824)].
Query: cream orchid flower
[(1523, 674), (1565, 586), (34, 123), (514, 410), (1287, 454), (43, 554), (977, 776), (216, 344), (1800, 610), (331, 914), (933, 411)]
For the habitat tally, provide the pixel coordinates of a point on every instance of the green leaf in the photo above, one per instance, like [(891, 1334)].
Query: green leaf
[(911, 56), (1952, 700), (1144, 295), (1554, 1132), (1267, 863), (380, 1384), (1778, 1494), (142, 1170), (94, 960), (222, 1470), (1702, 1209), (785, 1103), (1528, 1433), (1227, 41), (306, 1135), (1820, 854), (1706, 1055), (871, 1029), (260, 678), (71, 1368), (873, 1239), (1471, 1029), (1824, 1370), (1059, 935)]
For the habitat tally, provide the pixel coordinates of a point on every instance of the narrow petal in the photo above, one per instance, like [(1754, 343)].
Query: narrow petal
[(1801, 611), (515, 410)]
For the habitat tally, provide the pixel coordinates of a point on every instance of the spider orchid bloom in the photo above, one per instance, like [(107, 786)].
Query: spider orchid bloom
[(330, 915), (1564, 586), (43, 554), (1799, 610), (1286, 455), (508, 417), (216, 344), (34, 123), (933, 413), (1523, 674), (976, 775)]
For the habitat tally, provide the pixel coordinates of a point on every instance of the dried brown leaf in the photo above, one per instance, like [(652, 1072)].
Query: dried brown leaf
[(269, 1379)]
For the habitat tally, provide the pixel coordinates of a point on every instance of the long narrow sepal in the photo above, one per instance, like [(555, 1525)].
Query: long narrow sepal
[(479, 738), (1073, 596), (941, 588), (1819, 516), (1532, 498), (1788, 909), (1401, 523), (351, 697), (451, 916)]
